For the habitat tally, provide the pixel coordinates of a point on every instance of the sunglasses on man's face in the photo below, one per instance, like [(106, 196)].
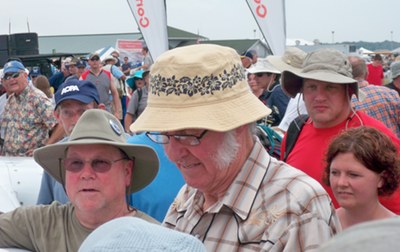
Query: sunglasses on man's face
[(95, 59), (11, 76)]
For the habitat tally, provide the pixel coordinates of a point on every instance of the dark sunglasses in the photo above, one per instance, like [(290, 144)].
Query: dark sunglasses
[(95, 59), (261, 74), (11, 76)]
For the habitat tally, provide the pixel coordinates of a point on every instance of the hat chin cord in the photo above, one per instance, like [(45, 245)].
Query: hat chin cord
[(352, 110), (269, 90)]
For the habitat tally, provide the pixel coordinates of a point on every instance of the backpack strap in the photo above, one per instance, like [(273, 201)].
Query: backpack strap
[(293, 133)]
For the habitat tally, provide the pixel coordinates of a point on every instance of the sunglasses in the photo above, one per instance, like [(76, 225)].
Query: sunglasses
[(11, 76), (95, 59), (261, 74), (99, 165)]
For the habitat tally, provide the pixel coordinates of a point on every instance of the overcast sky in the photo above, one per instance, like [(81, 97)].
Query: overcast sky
[(351, 20)]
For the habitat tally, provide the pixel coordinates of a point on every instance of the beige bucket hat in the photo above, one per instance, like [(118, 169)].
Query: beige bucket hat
[(199, 86), (291, 60), (327, 65), (98, 126)]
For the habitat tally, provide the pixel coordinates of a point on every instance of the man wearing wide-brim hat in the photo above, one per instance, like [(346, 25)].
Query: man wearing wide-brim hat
[(236, 196), (292, 60), (99, 169), (327, 84)]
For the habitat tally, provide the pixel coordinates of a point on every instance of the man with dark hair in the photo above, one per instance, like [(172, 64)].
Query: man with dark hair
[(375, 71)]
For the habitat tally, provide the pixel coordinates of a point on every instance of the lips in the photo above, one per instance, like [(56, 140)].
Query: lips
[(344, 193), (88, 190), (184, 165)]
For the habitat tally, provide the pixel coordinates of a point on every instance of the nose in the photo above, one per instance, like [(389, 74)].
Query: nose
[(175, 150), (87, 171), (342, 180)]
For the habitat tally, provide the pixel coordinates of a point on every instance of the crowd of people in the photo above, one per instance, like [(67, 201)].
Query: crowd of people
[(125, 149)]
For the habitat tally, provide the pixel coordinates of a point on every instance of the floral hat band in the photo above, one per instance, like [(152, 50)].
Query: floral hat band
[(199, 86)]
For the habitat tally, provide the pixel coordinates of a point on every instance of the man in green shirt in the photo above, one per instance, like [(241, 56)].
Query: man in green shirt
[(98, 169)]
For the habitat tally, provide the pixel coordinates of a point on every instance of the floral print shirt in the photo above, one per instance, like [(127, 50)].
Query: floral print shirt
[(27, 121)]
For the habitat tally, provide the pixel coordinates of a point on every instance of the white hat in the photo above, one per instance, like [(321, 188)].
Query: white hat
[(263, 66), (134, 234), (110, 57)]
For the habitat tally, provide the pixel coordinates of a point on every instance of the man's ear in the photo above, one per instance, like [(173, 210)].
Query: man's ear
[(101, 106), (56, 114)]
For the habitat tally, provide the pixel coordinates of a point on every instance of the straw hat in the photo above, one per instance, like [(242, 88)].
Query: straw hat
[(200, 86), (98, 126), (327, 65)]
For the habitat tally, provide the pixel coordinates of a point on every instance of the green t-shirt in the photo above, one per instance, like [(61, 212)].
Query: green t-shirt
[(46, 228)]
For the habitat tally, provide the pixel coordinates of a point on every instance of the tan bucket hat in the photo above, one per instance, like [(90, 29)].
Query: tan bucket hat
[(327, 65), (199, 86), (98, 126), (291, 60)]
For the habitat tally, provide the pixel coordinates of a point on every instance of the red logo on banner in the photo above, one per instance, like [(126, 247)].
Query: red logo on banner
[(143, 20), (261, 9)]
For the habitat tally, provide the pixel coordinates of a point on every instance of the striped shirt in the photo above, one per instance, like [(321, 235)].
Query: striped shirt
[(380, 103), (270, 206)]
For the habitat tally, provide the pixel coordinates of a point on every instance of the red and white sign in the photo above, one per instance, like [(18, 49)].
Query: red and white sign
[(270, 17), (151, 17)]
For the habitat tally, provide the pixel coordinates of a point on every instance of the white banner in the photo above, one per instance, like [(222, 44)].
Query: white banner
[(270, 17), (151, 18)]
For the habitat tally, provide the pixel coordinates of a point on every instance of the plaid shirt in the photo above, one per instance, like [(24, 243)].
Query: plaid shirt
[(270, 206), (27, 121), (380, 103)]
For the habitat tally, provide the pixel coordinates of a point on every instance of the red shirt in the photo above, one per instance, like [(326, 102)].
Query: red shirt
[(375, 74), (308, 153)]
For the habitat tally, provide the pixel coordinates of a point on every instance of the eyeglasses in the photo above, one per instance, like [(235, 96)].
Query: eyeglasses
[(11, 76), (99, 165), (95, 59), (190, 140), (261, 74)]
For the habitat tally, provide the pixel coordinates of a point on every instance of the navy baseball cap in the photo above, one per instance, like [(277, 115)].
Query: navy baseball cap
[(13, 67), (80, 63), (79, 90), (35, 72)]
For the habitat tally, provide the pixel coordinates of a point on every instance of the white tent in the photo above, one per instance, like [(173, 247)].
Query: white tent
[(362, 50)]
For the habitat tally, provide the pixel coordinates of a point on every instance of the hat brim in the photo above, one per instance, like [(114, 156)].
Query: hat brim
[(222, 117), (144, 171), (77, 97), (279, 64), (292, 81), (12, 70), (254, 70)]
